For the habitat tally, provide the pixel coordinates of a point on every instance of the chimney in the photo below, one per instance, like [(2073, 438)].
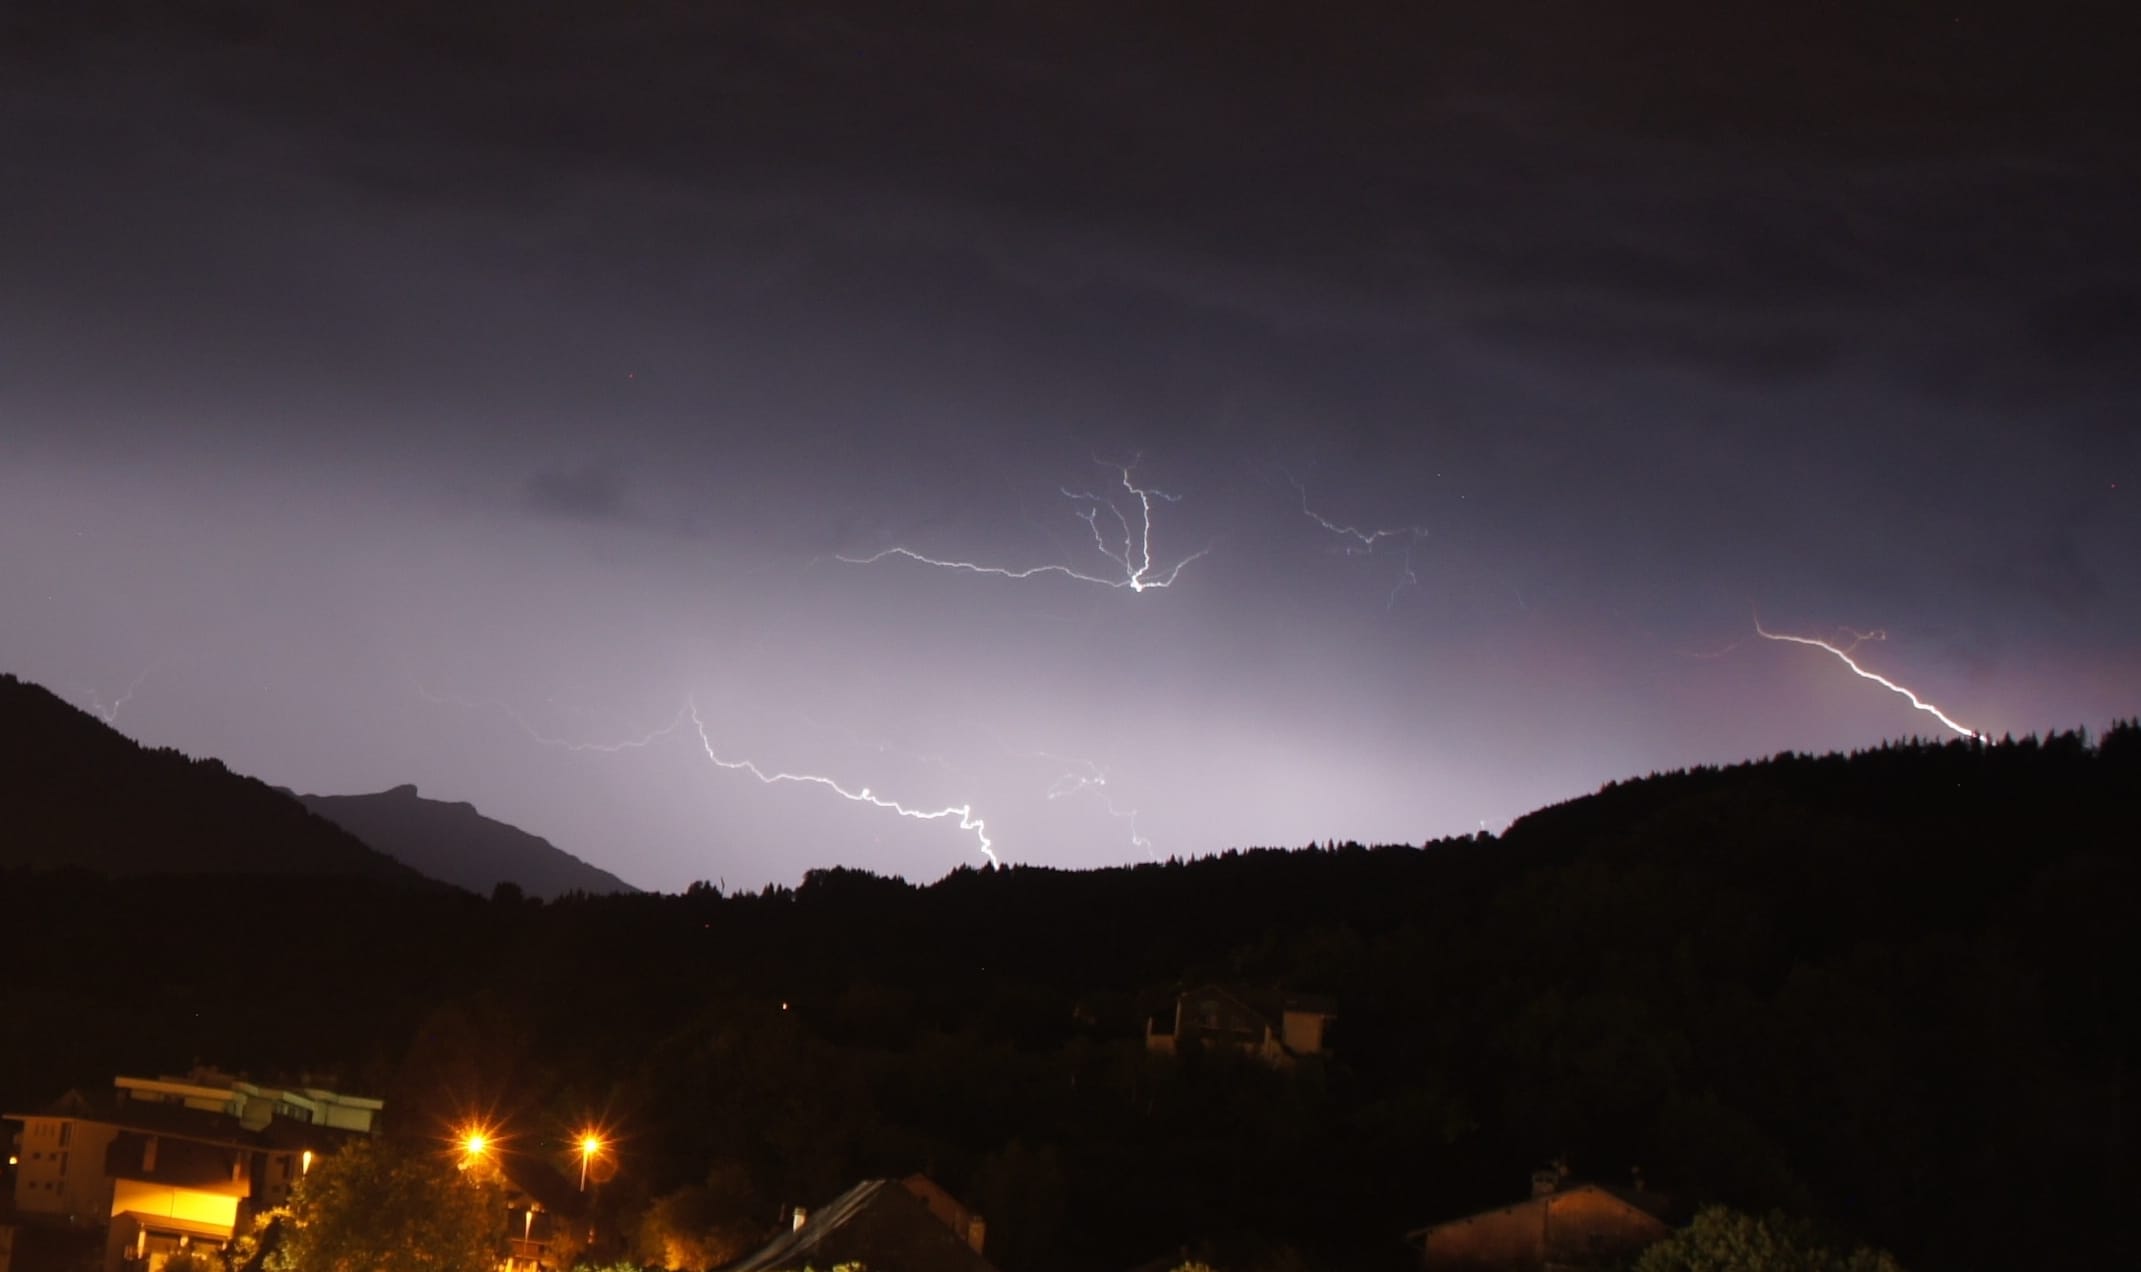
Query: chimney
[(976, 1229), (802, 1217)]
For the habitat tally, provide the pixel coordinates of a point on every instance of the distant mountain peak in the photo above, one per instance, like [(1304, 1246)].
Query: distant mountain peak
[(454, 842), (79, 793)]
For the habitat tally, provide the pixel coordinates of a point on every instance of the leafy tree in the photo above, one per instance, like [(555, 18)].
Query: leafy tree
[(372, 1208), (703, 1225), (1724, 1240)]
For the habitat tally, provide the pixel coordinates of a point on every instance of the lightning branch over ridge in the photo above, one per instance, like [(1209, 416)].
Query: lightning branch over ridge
[(862, 795), (108, 712), (967, 821), (1843, 655)]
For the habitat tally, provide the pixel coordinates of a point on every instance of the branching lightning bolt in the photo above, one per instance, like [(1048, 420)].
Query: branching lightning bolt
[(1086, 778), (1843, 655), (109, 712), (1364, 542), (1134, 555), (1095, 781), (690, 711), (863, 795)]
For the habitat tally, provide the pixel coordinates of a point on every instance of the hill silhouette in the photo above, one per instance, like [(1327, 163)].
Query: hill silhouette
[(1881, 991), (76, 793), (455, 843)]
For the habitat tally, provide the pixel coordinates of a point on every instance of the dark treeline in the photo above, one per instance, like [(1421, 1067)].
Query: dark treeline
[(1881, 991)]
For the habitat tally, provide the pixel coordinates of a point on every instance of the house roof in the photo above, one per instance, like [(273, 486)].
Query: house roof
[(1268, 1003), (1656, 1205), (196, 1124), (879, 1223)]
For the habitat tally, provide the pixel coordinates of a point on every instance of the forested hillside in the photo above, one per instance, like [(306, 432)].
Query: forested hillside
[(1879, 991), (76, 793)]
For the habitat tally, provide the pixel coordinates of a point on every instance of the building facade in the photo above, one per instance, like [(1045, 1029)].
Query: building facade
[(1277, 1029), (168, 1163)]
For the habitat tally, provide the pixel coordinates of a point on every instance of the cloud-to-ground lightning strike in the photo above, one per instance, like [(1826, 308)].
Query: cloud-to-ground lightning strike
[(1134, 556), (863, 795), (1365, 542), (1843, 655)]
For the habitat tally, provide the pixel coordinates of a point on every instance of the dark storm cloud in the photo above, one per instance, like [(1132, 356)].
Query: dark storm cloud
[(1570, 185), (552, 349), (2089, 335)]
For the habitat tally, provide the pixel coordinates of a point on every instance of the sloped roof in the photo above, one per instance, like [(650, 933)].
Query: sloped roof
[(1656, 1205), (206, 1125), (878, 1223)]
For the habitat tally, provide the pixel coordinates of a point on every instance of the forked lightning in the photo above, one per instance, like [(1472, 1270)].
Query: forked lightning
[(1133, 556)]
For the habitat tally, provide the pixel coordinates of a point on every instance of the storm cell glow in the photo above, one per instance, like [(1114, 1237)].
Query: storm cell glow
[(575, 371)]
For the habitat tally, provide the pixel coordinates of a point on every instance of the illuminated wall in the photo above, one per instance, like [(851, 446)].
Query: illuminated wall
[(164, 1201), (61, 1171)]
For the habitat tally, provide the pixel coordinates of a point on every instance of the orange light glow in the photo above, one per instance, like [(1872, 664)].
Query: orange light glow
[(477, 1144), (591, 1147)]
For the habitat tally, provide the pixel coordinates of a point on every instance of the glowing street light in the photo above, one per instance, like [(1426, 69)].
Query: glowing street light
[(476, 1144), (590, 1148)]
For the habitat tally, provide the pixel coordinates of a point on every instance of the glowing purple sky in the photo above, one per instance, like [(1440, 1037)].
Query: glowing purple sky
[(401, 387)]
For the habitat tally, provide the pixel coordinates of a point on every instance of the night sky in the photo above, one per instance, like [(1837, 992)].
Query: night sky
[(455, 393)]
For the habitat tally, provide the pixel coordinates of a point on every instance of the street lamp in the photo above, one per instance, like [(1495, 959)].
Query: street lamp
[(475, 1143), (590, 1147)]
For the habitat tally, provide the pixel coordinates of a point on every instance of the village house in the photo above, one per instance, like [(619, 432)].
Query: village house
[(911, 1224), (1275, 1028), (171, 1162), (1565, 1225)]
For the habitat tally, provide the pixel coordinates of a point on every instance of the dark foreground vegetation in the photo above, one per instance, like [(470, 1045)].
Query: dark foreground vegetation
[(1884, 992)]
